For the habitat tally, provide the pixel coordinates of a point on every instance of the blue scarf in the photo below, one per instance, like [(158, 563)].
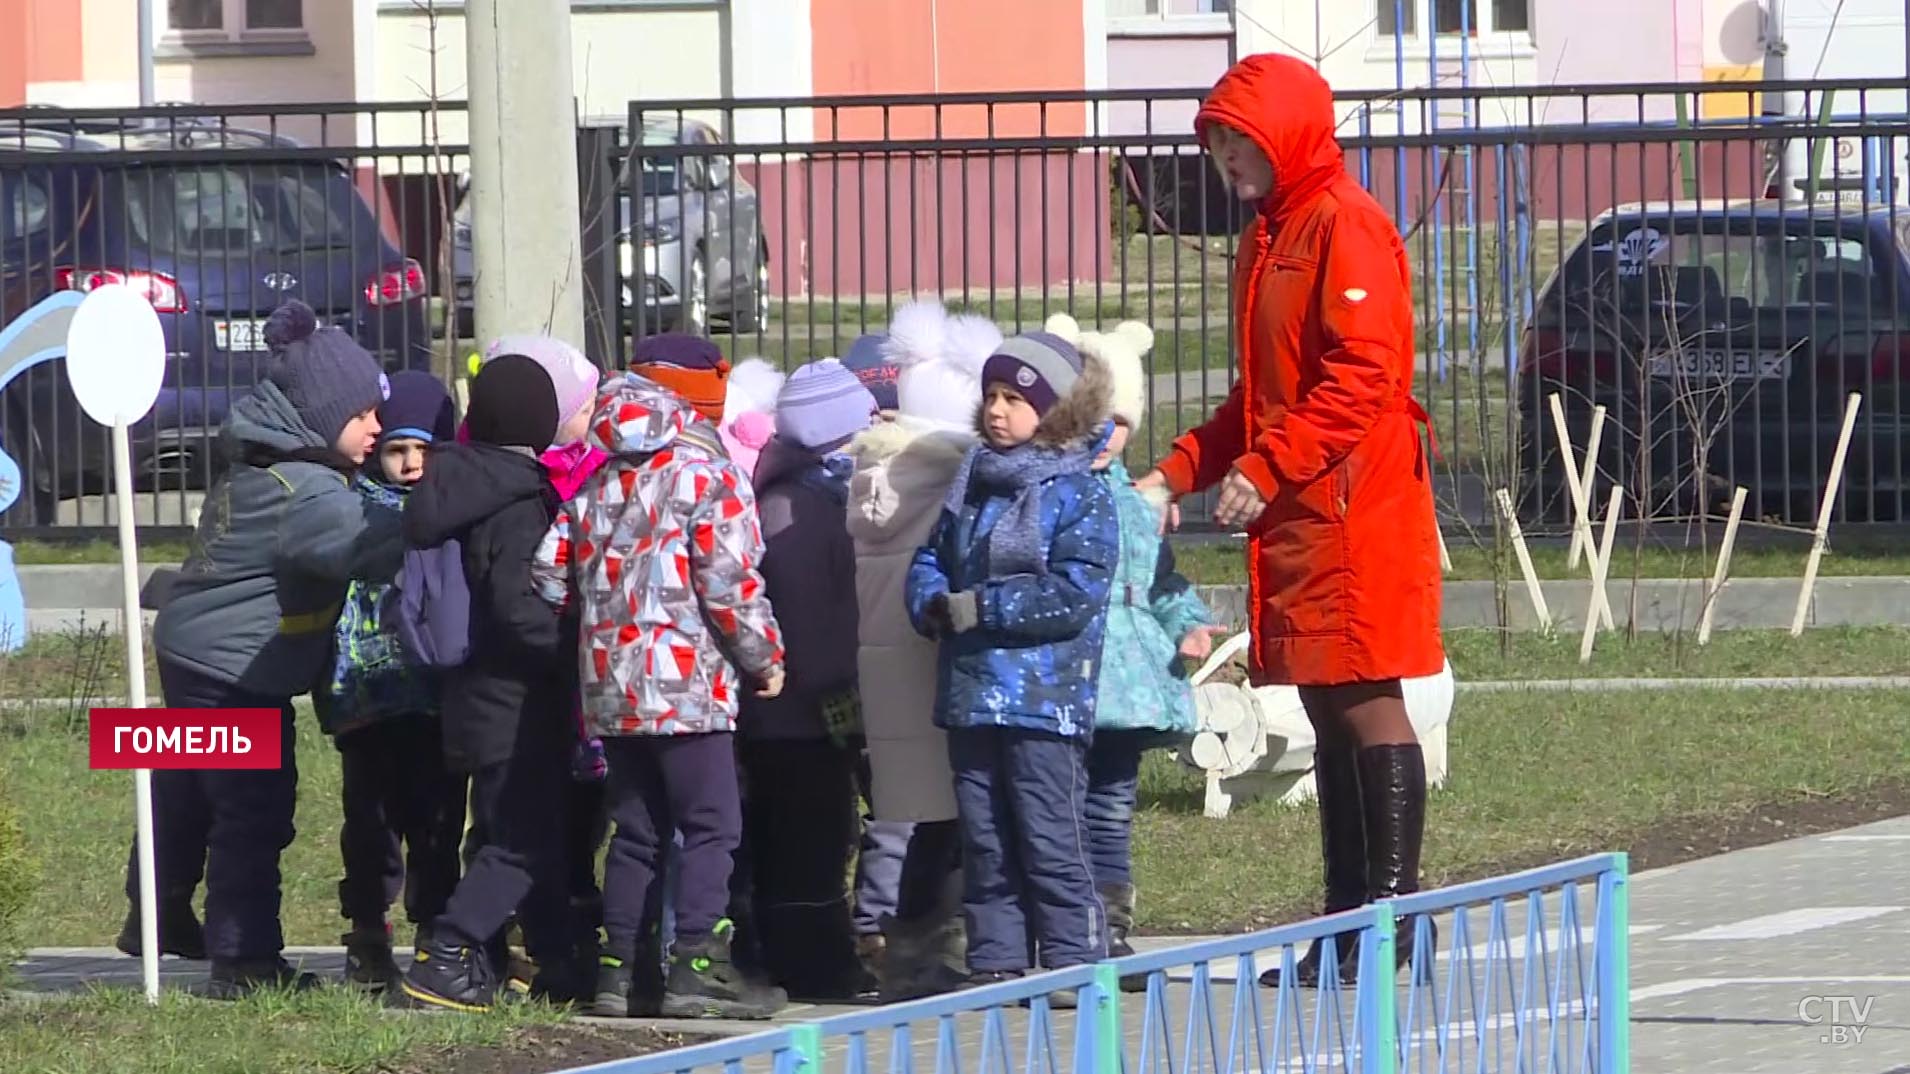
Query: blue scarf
[(1014, 545)]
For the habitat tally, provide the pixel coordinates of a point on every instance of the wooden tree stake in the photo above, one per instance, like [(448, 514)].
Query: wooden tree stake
[(1723, 569), (1822, 533), (1532, 586), (1601, 558)]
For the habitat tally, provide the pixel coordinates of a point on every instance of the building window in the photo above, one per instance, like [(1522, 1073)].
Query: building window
[(215, 20), (1122, 10), (1396, 18)]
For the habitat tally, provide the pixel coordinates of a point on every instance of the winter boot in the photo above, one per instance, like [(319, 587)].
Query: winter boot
[(1119, 900), (613, 988), (869, 954), (234, 979), (1393, 779), (180, 933), (369, 965), (1343, 856), (445, 973), (704, 982), (924, 957)]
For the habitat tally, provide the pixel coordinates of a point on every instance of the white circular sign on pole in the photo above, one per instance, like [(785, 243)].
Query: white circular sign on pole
[(115, 355), (115, 361)]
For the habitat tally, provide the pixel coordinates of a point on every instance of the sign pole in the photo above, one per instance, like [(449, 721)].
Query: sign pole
[(115, 359), (136, 681)]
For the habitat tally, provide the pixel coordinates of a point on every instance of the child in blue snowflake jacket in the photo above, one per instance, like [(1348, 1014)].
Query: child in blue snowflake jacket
[(1156, 623), (381, 708), (1013, 582)]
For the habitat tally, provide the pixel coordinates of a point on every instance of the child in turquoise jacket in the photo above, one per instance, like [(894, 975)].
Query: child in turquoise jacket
[(1155, 623)]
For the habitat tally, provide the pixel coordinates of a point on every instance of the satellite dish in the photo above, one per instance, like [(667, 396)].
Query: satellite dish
[(115, 355)]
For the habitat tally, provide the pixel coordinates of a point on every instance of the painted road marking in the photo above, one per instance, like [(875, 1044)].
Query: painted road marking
[(1788, 923), (1687, 985)]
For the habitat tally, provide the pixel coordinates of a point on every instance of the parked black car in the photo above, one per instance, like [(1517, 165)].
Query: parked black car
[(1739, 328)]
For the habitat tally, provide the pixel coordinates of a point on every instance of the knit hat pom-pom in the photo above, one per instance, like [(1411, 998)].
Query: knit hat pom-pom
[(289, 324)]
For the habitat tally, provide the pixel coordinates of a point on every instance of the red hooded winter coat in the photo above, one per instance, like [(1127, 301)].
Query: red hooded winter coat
[(1343, 565)]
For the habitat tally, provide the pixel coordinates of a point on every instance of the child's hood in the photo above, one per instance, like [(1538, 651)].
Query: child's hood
[(638, 417), (903, 468), (264, 419)]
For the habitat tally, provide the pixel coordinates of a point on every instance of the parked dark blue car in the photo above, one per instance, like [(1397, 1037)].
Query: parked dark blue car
[(218, 227)]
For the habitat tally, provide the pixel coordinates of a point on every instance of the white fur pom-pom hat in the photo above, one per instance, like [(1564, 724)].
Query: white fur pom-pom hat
[(1122, 349), (752, 389), (940, 356)]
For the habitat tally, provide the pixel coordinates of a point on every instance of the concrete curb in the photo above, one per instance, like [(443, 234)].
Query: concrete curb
[(64, 597)]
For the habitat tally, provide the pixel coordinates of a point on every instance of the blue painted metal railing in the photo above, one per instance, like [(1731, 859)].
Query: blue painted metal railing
[(1530, 973)]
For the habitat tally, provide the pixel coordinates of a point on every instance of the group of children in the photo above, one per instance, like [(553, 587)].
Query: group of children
[(702, 612)]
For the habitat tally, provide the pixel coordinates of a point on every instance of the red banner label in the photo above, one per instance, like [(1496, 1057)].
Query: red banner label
[(184, 738)]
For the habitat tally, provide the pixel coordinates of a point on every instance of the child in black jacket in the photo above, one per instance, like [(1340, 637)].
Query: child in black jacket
[(504, 716)]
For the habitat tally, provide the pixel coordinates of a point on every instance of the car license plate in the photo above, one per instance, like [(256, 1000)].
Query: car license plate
[(233, 336), (1721, 365)]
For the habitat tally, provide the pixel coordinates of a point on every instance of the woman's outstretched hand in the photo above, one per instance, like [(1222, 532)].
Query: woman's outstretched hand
[(1154, 479)]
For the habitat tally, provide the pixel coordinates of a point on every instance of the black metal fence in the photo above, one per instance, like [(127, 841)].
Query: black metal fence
[(1594, 242)]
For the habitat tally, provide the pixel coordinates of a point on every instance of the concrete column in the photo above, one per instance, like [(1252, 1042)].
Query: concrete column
[(524, 169)]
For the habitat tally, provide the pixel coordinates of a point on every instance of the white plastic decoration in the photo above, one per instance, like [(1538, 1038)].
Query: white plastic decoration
[(115, 355), (115, 360)]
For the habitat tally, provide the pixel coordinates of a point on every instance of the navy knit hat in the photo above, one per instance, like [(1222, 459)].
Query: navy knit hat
[(877, 373), (419, 408), (1040, 365), (513, 404), (326, 376)]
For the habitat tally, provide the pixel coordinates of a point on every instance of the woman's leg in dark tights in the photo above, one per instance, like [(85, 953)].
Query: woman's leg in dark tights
[(1392, 778)]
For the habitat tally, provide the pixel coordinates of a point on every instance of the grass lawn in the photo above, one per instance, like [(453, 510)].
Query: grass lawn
[(1536, 778), (115, 1032), (1222, 562)]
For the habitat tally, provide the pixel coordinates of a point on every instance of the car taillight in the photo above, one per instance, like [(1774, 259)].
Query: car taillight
[(394, 285), (158, 288), (1890, 359), (1549, 355)]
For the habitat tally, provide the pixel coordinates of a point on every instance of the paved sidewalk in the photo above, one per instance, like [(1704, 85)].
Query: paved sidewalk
[(1792, 957)]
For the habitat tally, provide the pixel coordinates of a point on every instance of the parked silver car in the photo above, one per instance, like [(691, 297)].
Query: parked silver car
[(696, 255)]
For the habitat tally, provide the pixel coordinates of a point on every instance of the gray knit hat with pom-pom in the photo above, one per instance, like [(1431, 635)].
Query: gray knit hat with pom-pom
[(326, 376)]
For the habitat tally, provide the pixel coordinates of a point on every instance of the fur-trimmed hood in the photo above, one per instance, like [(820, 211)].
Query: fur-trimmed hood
[(1077, 418), (903, 468)]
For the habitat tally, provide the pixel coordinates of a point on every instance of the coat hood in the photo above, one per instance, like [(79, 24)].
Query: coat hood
[(466, 484), (781, 459), (264, 420), (636, 416), (903, 468), (1284, 105)]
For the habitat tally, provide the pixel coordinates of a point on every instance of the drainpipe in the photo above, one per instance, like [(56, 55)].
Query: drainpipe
[(1777, 106), (147, 93)]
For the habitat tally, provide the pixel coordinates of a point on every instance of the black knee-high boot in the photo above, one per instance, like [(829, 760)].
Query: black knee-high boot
[(1343, 855), (1393, 779)]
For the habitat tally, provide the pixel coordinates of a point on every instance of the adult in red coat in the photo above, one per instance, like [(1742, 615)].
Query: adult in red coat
[(1318, 455)]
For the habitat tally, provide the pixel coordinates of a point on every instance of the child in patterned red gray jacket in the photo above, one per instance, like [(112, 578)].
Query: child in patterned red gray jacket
[(661, 548)]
